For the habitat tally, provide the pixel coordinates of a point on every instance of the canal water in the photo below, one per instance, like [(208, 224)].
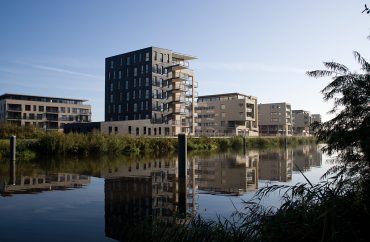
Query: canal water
[(95, 199)]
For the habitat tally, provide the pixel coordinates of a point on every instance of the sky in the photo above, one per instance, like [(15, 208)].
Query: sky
[(259, 48)]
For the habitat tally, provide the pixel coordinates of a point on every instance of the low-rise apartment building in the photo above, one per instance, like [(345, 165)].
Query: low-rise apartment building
[(301, 122), (275, 119), (227, 114), (41, 111), (316, 118)]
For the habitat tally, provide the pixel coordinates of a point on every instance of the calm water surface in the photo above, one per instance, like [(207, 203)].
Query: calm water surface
[(96, 199)]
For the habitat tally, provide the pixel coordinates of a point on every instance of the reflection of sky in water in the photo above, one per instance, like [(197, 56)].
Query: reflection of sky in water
[(80, 213)]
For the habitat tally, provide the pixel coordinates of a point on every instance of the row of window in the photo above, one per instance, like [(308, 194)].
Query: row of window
[(162, 57), (136, 94), (143, 131), (142, 106), (35, 108), (142, 70), (136, 58)]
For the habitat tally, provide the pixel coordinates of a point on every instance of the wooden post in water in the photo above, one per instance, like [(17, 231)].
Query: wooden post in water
[(182, 155), (13, 145), (182, 170), (244, 144)]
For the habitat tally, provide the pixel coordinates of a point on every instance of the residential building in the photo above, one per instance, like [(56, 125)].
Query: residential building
[(316, 118), (154, 86), (275, 119), (227, 114), (276, 165), (41, 111), (136, 192), (227, 174), (301, 122)]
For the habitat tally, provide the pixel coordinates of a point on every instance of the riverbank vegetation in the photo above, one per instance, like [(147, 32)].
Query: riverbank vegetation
[(31, 142)]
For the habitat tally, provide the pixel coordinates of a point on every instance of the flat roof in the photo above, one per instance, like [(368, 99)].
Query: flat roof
[(225, 94), (174, 54), (5, 95)]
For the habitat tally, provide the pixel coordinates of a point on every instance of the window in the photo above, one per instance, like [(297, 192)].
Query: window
[(119, 108), (142, 69), (41, 109), (120, 75), (147, 56), (147, 81), (128, 60), (111, 64), (135, 71), (111, 87), (155, 55), (139, 93), (135, 107), (161, 57), (128, 96), (116, 130), (126, 85), (147, 94), (129, 129), (147, 68), (34, 108), (28, 107), (223, 106), (111, 98)]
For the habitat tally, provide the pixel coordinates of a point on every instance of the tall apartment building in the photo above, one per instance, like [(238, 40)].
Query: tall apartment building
[(301, 122), (227, 114), (275, 119), (149, 91), (44, 112)]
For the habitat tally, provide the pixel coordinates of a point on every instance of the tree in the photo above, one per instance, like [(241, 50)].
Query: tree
[(348, 133)]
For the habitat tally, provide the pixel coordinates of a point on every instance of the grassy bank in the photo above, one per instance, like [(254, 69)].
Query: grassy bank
[(55, 143)]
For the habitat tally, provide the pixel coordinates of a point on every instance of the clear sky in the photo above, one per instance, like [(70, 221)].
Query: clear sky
[(259, 48)]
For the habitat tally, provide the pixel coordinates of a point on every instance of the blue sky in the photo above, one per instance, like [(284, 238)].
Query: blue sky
[(260, 48)]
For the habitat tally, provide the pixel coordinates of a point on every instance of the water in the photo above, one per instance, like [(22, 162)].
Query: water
[(98, 199)]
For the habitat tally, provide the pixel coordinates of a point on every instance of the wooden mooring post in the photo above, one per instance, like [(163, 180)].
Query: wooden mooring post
[(182, 171), (12, 160)]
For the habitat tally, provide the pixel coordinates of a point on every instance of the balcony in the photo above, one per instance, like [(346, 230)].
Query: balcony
[(179, 88), (15, 107), (180, 77), (179, 65), (182, 111), (178, 99), (52, 110)]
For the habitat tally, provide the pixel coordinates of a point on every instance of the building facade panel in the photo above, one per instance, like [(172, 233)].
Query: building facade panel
[(275, 119), (227, 114), (43, 112)]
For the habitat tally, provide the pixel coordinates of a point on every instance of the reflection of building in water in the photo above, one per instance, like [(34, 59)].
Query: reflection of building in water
[(306, 157), (140, 191), (224, 173), (39, 183), (276, 165)]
